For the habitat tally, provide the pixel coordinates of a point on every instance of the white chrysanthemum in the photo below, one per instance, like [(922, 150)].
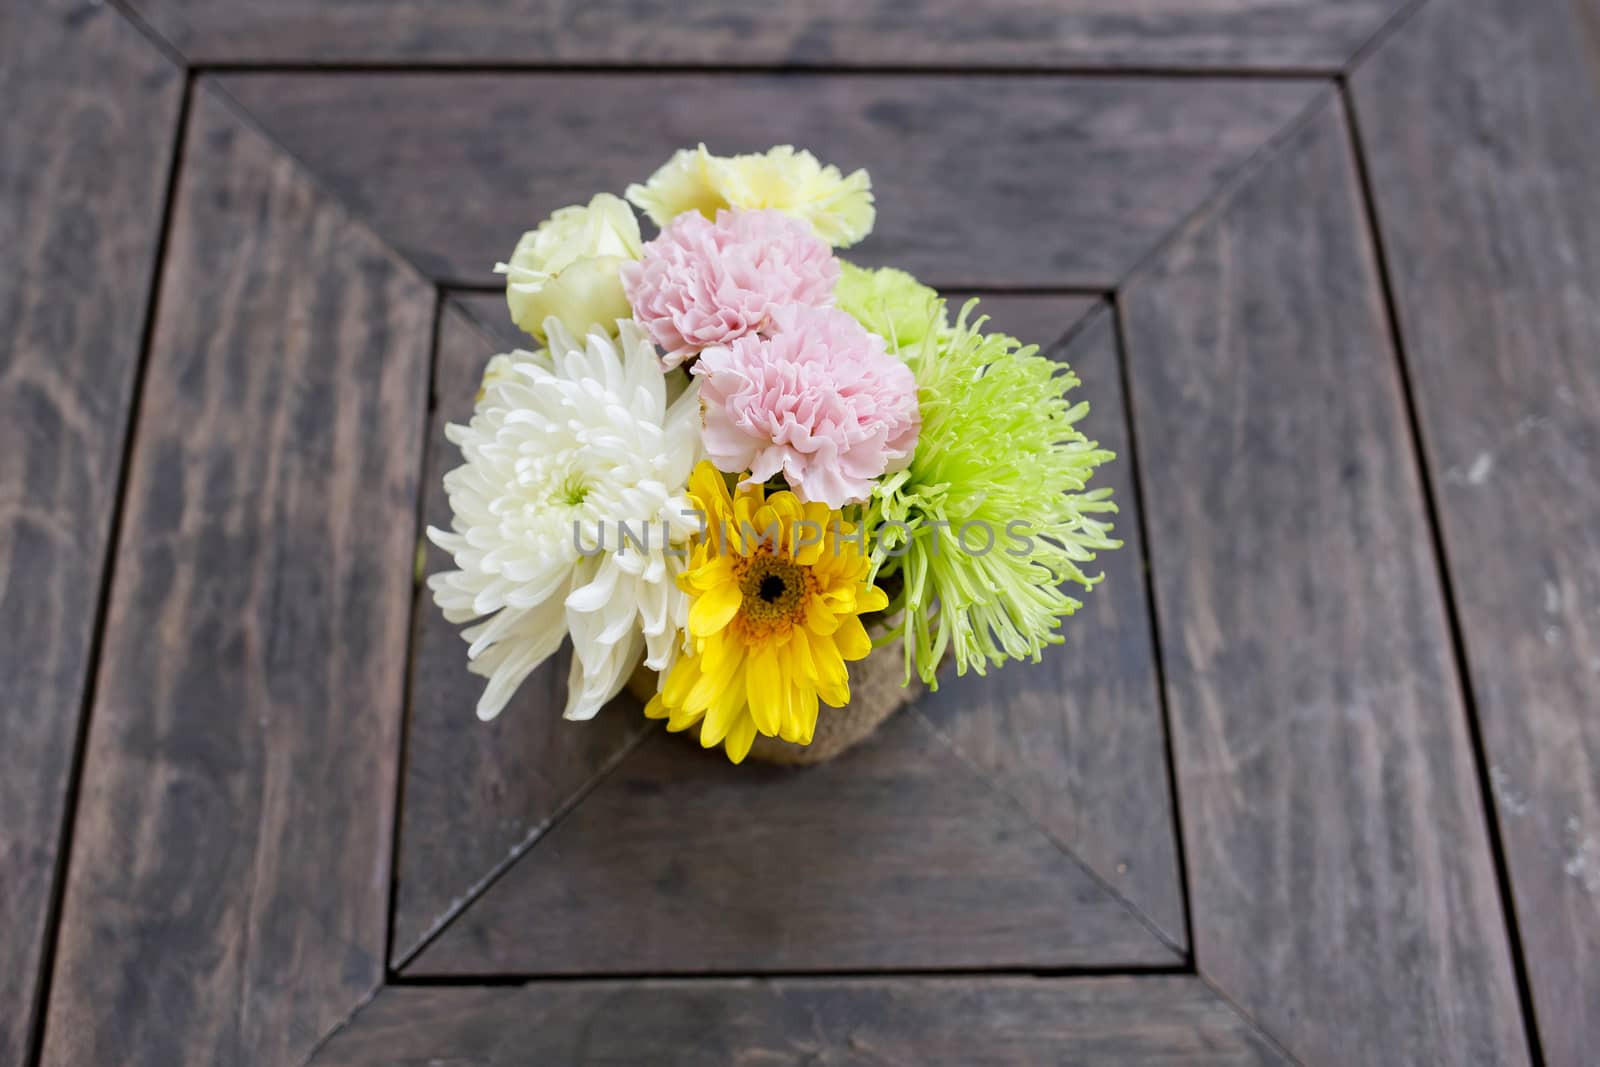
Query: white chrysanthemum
[(563, 446)]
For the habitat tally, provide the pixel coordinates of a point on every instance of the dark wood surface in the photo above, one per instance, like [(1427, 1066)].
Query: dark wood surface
[(230, 869), (1249, 34), (1090, 174), (476, 793), (1370, 546), (1342, 887), (1479, 122), (1005, 1022), (1079, 739), (91, 112), (895, 856)]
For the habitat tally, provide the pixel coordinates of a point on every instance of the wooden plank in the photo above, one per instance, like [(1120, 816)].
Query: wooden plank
[(92, 111), (230, 870), (1316, 35), (1478, 126), (1343, 893), (894, 856), (996, 1022), (476, 792), (1079, 740), (489, 317), (982, 181)]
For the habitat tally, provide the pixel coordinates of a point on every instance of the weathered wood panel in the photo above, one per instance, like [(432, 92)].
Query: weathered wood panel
[(997, 1022), (230, 869), (1079, 739), (490, 319), (1479, 128), (1343, 892), (1035, 181), (85, 147), (474, 792), (894, 856), (1105, 34)]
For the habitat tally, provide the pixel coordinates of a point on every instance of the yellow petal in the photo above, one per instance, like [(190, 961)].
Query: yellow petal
[(709, 684), (852, 638), (835, 694), (714, 609), (725, 711), (802, 667), (786, 507), (717, 570), (819, 620), (720, 653), (740, 738), (682, 678), (763, 685), (656, 709), (805, 714), (871, 599), (681, 720), (821, 519)]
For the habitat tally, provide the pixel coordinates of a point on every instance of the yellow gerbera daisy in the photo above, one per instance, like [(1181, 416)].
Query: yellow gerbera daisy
[(776, 592)]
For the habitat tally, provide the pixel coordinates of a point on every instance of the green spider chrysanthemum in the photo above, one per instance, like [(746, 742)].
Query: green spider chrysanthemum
[(889, 303), (1000, 459)]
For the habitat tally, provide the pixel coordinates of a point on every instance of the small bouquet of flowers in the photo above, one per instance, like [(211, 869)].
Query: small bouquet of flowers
[(774, 489)]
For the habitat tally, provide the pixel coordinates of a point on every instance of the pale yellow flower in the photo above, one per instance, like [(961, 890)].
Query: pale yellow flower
[(839, 207), (570, 268), (682, 184)]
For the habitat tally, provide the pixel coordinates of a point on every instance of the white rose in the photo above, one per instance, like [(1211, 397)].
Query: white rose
[(570, 268)]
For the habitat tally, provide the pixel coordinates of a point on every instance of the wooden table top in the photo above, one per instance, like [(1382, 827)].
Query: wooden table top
[(1315, 778)]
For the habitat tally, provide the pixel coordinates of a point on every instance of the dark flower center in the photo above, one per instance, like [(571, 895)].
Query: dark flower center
[(774, 590)]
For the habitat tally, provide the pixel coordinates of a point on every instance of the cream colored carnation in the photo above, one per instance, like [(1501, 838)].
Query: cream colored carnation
[(682, 184), (839, 207), (569, 268)]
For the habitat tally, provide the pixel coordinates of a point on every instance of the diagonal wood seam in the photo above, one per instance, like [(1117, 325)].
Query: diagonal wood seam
[(1066, 850), (534, 835), (1196, 219)]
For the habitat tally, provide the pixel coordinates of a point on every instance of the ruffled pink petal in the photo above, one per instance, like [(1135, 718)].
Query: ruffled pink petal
[(703, 283), (820, 398)]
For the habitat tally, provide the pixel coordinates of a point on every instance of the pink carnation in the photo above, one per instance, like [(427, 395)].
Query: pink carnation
[(704, 283), (820, 400)]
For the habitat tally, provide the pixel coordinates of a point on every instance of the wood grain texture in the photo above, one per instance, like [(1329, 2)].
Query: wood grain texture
[(1478, 123), (85, 147), (1000, 1022), (490, 319), (894, 856), (1088, 175), (1103, 34), (476, 791), (230, 869), (1079, 739), (1343, 892)]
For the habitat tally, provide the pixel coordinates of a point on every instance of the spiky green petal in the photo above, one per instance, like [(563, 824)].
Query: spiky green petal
[(999, 444)]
